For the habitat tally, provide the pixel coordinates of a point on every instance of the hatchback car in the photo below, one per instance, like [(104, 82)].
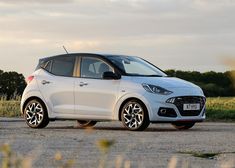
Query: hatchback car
[(91, 88)]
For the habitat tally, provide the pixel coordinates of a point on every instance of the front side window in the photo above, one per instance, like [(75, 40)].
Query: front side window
[(134, 66), (94, 68), (63, 66)]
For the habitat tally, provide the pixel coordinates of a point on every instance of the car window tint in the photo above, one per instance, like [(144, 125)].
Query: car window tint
[(63, 66), (94, 68)]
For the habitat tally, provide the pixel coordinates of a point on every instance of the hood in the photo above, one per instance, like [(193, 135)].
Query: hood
[(165, 82)]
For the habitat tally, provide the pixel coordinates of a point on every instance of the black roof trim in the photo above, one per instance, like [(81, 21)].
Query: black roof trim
[(73, 54), (84, 54)]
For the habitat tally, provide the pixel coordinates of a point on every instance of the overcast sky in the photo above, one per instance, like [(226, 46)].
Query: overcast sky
[(173, 34)]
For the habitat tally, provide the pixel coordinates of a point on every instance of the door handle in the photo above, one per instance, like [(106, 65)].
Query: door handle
[(83, 84), (45, 82)]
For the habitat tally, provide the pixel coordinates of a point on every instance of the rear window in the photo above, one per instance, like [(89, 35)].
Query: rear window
[(63, 66)]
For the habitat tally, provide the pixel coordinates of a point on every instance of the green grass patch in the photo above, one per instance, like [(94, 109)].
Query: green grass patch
[(220, 109), (205, 155), (201, 154)]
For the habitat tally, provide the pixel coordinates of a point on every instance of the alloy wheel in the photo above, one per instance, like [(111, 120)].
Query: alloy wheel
[(36, 115), (134, 116)]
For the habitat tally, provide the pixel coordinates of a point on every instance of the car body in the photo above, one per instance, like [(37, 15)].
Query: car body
[(101, 87)]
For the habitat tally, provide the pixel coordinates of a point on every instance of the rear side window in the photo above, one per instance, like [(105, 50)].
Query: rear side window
[(63, 66)]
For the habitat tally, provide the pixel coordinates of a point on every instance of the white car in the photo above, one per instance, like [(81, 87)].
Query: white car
[(91, 88)]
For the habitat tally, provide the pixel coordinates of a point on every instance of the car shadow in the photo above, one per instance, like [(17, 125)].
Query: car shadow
[(11, 120), (99, 128)]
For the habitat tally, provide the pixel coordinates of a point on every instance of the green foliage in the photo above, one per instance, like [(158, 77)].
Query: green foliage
[(201, 154), (213, 84), (204, 155), (11, 84)]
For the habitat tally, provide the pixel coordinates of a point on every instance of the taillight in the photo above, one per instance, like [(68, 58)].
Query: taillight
[(29, 79)]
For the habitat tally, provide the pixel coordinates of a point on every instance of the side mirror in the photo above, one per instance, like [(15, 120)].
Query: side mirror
[(111, 75)]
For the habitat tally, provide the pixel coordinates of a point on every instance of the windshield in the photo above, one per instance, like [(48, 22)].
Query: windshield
[(134, 66)]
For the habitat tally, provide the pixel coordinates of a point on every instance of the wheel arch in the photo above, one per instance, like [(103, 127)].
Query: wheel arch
[(129, 99)]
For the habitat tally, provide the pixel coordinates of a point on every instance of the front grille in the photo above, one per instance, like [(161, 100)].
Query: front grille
[(180, 101)]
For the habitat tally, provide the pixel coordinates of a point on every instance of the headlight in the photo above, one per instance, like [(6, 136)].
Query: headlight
[(156, 89)]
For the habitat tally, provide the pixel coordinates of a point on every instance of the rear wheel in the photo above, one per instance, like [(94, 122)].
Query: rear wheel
[(35, 114), (134, 116), (86, 123), (183, 126)]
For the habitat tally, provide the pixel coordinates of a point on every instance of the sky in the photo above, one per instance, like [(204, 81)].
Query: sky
[(172, 34)]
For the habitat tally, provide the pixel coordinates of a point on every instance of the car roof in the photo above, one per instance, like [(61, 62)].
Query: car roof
[(70, 54), (82, 54)]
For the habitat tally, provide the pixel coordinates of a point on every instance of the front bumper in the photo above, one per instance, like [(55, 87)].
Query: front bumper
[(173, 111)]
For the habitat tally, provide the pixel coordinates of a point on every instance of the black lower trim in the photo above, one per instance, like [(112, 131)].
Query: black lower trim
[(183, 121)]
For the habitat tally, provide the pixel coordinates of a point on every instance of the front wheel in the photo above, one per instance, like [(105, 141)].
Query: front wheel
[(134, 116), (183, 126), (35, 114), (86, 123)]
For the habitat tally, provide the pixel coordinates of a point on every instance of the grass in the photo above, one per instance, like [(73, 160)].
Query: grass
[(9, 108), (205, 155), (11, 159), (218, 109), (201, 154)]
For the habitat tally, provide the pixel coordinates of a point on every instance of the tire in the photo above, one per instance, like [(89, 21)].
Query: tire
[(35, 114), (183, 126), (86, 123), (134, 116)]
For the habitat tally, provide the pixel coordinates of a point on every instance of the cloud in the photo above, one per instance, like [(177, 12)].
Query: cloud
[(171, 33), (12, 2)]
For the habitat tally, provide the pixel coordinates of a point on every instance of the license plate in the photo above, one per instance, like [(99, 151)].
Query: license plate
[(191, 107)]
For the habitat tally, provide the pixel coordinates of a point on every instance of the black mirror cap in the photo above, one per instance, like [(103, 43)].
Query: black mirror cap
[(111, 75)]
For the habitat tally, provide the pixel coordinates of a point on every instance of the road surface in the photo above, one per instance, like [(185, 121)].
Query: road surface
[(155, 147)]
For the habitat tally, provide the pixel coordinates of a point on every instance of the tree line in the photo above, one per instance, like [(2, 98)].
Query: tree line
[(213, 84)]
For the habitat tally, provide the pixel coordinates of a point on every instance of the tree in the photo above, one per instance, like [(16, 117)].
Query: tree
[(11, 84), (212, 83)]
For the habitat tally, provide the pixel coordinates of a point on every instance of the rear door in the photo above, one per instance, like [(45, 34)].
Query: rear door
[(95, 97), (56, 83)]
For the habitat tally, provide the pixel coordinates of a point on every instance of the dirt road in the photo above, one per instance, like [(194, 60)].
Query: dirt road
[(151, 148)]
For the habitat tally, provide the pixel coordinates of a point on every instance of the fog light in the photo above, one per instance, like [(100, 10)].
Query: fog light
[(167, 112), (163, 111)]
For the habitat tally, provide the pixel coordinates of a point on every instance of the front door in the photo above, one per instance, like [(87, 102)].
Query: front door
[(95, 97)]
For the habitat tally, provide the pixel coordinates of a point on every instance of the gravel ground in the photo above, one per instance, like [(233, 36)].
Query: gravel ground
[(154, 147)]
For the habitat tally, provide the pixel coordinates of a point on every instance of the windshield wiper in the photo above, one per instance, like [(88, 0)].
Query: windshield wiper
[(141, 75)]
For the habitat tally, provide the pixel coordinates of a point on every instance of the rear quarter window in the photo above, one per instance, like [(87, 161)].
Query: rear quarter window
[(47, 66), (41, 64)]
